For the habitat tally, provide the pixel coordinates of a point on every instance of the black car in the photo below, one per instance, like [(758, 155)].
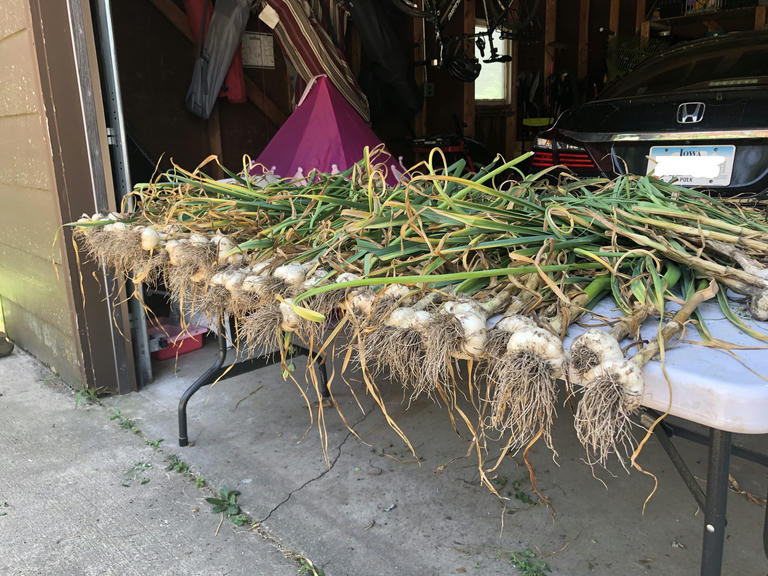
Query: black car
[(697, 113)]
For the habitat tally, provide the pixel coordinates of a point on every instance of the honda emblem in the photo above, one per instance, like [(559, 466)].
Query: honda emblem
[(690, 112)]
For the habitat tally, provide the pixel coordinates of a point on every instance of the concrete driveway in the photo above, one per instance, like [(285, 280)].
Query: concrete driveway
[(375, 510)]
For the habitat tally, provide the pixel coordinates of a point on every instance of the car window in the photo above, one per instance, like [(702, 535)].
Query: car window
[(694, 69)]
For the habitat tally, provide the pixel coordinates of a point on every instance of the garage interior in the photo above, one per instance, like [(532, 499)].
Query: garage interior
[(553, 55), (367, 505)]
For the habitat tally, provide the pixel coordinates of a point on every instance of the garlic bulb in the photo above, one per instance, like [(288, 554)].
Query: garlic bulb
[(260, 267), (395, 291), (627, 374), (758, 306), (253, 283), (515, 322), (218, 279), (540, 343), (457, 307), (347, 277), (292, 273), (290, 320), (315, 279), (225, 248), (149, 239), (361, 300), (233, 281), (404, 317), (590, 349), (475, 335), (171, 248), (116, 227)]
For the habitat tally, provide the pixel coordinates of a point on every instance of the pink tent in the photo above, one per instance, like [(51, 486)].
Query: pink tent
[(322, 133)]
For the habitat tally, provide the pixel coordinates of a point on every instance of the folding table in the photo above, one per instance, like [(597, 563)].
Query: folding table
[(219, 370), (711, 388)]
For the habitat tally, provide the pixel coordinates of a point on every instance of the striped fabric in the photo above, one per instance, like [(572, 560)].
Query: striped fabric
[(312, 52), (333, 15)]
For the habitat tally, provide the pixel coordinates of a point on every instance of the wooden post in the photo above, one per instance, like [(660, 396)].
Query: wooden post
[(550, 27), (645, 30), (583, 42), (214, 141), (761, 17), (613, 17), (469, 87), (419, 55), (640, 16), (510, 141)]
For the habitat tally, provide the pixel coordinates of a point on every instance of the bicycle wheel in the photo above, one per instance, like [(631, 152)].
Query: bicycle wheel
[(415, 8), (513, 17)]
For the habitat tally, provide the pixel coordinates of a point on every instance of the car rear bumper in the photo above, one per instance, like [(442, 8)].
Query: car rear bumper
[(625, 153)]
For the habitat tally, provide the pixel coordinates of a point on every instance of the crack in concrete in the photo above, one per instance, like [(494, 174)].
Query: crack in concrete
[(319, 476)]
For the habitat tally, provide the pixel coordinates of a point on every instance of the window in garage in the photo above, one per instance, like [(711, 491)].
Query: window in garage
[(493, 84)]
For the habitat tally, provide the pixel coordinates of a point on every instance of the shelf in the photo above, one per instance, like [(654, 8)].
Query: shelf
[(698, 24), (718, 14)]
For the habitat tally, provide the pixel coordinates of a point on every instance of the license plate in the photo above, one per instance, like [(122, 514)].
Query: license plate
[(692, 165)]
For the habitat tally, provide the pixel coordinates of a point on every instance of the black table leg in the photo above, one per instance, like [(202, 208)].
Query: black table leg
[(324, 381), (677, 461), (207, 377), (765, 531), (717, 497), (218, 371)]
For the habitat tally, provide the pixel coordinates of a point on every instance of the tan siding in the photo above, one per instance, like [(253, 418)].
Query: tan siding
[(31, 283), (28, 221), (36, 303), (24, 152), (13, 17), (18, 69), (56, 348)]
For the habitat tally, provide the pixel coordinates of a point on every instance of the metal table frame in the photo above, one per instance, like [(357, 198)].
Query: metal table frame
[(713, 501), (221, 371)]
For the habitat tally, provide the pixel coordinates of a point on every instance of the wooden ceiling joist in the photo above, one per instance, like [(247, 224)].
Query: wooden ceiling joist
[(256, 95)]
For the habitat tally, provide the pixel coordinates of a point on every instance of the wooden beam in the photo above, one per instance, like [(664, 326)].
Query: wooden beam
[(468, 108), (613, 17), (640, 16), (256, 95), (645, 30), (510, 131), (550, 29), (214, 141), (583, 42), (419, 55), (761, 17)]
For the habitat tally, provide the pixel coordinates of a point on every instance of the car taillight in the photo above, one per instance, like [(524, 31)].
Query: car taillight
[(576, 160), (561, 154), (542, 159)]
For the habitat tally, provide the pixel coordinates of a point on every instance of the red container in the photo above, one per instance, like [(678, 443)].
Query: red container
[(179, 341)]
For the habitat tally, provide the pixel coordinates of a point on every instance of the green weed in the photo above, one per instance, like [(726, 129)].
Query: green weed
[(136, 474), (199, 482), (227, 505), (154, 443), (526, 562), (176, 465), (241, 519), (307, 568), (521, 494), (124, 422), (90, 395)]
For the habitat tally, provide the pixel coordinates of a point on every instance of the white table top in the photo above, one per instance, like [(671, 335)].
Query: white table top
[(708, 385)]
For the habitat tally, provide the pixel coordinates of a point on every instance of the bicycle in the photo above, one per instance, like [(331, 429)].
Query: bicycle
[(507, 17)]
